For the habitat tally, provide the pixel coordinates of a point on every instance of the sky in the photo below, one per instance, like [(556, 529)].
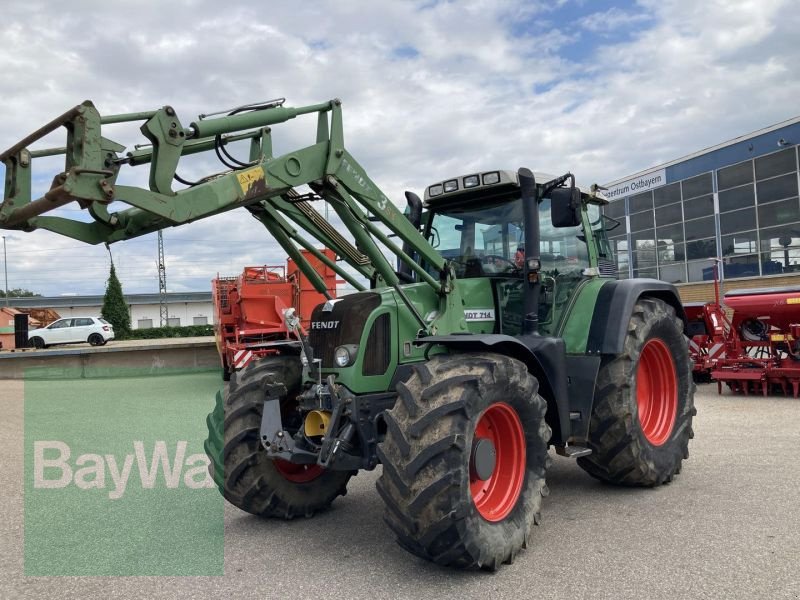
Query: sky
[(430, 90)]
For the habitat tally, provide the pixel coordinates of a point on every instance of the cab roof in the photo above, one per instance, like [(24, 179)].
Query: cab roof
[(490, 181)]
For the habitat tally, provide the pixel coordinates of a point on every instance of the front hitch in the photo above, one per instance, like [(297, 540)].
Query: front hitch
[(278, 442), (281, 444), (331, 442)]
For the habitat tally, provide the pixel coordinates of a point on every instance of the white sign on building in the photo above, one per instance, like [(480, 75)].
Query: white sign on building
[(637, 185)]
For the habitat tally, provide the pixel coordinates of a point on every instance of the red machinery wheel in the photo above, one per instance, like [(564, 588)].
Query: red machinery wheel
[(656, 392), (496, 496)]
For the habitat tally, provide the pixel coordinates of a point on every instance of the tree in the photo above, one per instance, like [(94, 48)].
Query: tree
[(115, 309), (18, 293)]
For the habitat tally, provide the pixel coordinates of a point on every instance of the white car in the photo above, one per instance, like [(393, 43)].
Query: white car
[(93, 330)]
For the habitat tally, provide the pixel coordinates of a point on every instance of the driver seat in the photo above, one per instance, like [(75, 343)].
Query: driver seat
[(473, 268)]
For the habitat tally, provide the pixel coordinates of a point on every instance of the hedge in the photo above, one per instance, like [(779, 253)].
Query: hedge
[(152, 333)]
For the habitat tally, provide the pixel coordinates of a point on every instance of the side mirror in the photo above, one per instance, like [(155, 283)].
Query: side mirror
[(414, 215), (414, 212), (565, 207)]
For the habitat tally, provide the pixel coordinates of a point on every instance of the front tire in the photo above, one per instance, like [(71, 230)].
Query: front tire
[(244, 474), (449, 498), (641, 420), (226, 371)]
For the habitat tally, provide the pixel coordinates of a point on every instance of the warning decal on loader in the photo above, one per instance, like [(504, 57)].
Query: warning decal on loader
[(252, 181)]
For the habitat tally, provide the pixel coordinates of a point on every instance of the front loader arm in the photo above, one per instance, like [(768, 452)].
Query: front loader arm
[(265, 185)]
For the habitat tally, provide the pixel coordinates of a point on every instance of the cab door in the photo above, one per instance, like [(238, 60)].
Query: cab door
[(564, 257)]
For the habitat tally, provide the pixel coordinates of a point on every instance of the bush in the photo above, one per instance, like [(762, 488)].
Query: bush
[(154, 333)]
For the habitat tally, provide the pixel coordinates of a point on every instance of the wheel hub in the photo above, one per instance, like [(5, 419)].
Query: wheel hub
[(482, 459), (497, 462), (297, 473), (656, 392)]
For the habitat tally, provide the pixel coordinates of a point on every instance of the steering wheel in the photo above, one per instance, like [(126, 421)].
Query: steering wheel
[(495, 258)]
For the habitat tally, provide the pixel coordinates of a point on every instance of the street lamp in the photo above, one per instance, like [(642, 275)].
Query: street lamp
[(5, 267)]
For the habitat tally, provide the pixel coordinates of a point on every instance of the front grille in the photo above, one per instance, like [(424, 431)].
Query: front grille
[(342, 325), (378, 352), (323, 343)]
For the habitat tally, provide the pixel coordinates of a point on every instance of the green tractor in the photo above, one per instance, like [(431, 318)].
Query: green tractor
[(498, 331)]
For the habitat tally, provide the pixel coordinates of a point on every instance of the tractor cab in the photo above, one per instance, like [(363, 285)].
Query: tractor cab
[(477, 223)]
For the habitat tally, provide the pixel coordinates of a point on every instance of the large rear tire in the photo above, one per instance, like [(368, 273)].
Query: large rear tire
[(464, 460), (247, 478), (641, 421)]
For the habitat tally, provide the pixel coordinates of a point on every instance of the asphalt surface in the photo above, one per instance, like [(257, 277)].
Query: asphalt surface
[(727, 527)]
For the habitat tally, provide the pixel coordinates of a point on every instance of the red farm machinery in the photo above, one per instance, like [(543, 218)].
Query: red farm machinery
[(754, 346), (249, 322)]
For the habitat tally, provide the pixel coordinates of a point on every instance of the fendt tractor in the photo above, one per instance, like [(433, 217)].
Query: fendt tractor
[(497, 331)]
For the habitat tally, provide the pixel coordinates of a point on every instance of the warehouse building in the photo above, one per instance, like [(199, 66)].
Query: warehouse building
[(184, 308), (735, 204)]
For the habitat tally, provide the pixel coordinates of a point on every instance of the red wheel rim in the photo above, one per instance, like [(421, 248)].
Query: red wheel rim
[(297, 473), (496, 496), (656, 392)]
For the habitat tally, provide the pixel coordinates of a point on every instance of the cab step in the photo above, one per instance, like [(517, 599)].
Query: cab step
[(573, 451)]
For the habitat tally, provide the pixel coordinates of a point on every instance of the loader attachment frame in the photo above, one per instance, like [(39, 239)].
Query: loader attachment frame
[(266, 186)]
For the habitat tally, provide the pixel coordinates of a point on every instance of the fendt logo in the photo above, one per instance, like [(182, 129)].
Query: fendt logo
[(324, 324)]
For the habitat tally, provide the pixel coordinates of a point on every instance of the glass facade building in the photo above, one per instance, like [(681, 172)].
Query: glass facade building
[(737, 202)]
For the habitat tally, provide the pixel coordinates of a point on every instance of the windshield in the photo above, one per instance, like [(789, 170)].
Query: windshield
[(480, 240)]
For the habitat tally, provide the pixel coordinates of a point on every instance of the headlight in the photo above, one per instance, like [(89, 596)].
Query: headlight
[(471, 181), (490, 178), (341, 356), (451, 186), (435, 190)]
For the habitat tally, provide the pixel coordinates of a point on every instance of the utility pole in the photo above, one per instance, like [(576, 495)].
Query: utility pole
[(163, 311), (5, 267)]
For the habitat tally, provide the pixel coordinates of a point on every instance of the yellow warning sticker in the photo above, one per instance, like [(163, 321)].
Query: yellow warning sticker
[(793, 301), (777, 337), (250, 177)]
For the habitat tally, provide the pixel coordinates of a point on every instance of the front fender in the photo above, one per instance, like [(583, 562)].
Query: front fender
[(545, 358)]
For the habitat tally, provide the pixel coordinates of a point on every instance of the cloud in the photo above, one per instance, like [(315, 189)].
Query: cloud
[(611, 20), (429, 90)]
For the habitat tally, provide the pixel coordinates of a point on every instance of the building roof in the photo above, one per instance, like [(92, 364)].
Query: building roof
[(723, 145), (97, 300)]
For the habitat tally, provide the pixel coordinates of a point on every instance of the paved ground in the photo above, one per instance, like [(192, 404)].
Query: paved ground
[(728, 527)]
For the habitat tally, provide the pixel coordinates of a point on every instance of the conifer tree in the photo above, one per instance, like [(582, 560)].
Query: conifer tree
[(115, 309)]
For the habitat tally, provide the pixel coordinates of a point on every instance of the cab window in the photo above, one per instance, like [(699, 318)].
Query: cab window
[(480, 240)]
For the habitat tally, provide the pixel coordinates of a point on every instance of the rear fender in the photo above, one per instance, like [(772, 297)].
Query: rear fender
[(613, 308)]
